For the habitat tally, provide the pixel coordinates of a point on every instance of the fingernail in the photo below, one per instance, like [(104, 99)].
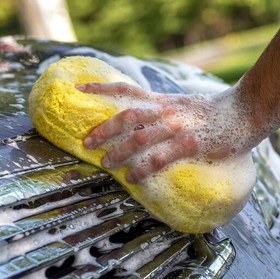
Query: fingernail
[(106, 162), (81, 87), (89, 143)]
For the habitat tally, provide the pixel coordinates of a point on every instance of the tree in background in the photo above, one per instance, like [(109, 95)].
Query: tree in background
[(9, 23), (148, 27), (43, 20)]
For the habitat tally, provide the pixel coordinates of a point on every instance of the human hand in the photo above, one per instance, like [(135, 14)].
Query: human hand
[(180, 127)]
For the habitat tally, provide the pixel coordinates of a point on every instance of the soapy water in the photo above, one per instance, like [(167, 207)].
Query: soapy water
[(226, 125), (214, 123), (191, 113), (58, 232), (42, 238), (184, 119), (191, 86)]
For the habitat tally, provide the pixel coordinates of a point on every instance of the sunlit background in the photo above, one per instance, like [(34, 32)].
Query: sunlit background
[(224, 37)]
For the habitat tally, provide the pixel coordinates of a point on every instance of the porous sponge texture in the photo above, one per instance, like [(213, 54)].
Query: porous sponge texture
[(191, 198)]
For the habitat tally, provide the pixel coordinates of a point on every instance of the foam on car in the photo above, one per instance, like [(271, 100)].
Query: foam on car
[(192, 197)]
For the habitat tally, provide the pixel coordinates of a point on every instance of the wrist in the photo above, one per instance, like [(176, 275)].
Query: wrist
[(239, 123), (260, 102)]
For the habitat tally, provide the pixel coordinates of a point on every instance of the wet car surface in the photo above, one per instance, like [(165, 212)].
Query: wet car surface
[(63, 218)]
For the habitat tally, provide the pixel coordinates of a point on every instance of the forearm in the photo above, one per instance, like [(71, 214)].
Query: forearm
[(260, 90)]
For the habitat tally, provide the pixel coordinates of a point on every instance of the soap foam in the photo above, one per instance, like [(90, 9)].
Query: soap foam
[(190, 195)]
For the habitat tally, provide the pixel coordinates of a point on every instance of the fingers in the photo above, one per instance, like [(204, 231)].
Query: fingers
[(130, 119), (140, 140), (121, 89), (180, 148), (113, 88)]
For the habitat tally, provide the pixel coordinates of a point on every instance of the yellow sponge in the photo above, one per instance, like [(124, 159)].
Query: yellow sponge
[(191, 198)]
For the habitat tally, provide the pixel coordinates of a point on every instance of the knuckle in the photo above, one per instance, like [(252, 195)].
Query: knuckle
[(115, 155), (137, 113), (122, 87), (140, 138), (101, 133), (127, 114), (174, 125), (158, 162), (189, 145), (140, 173), (132, 115), (169, 110), (97, 136)]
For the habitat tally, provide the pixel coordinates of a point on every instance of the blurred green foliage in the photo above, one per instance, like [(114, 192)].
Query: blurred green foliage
[(9, 23), (147, 27), (238, 51)]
